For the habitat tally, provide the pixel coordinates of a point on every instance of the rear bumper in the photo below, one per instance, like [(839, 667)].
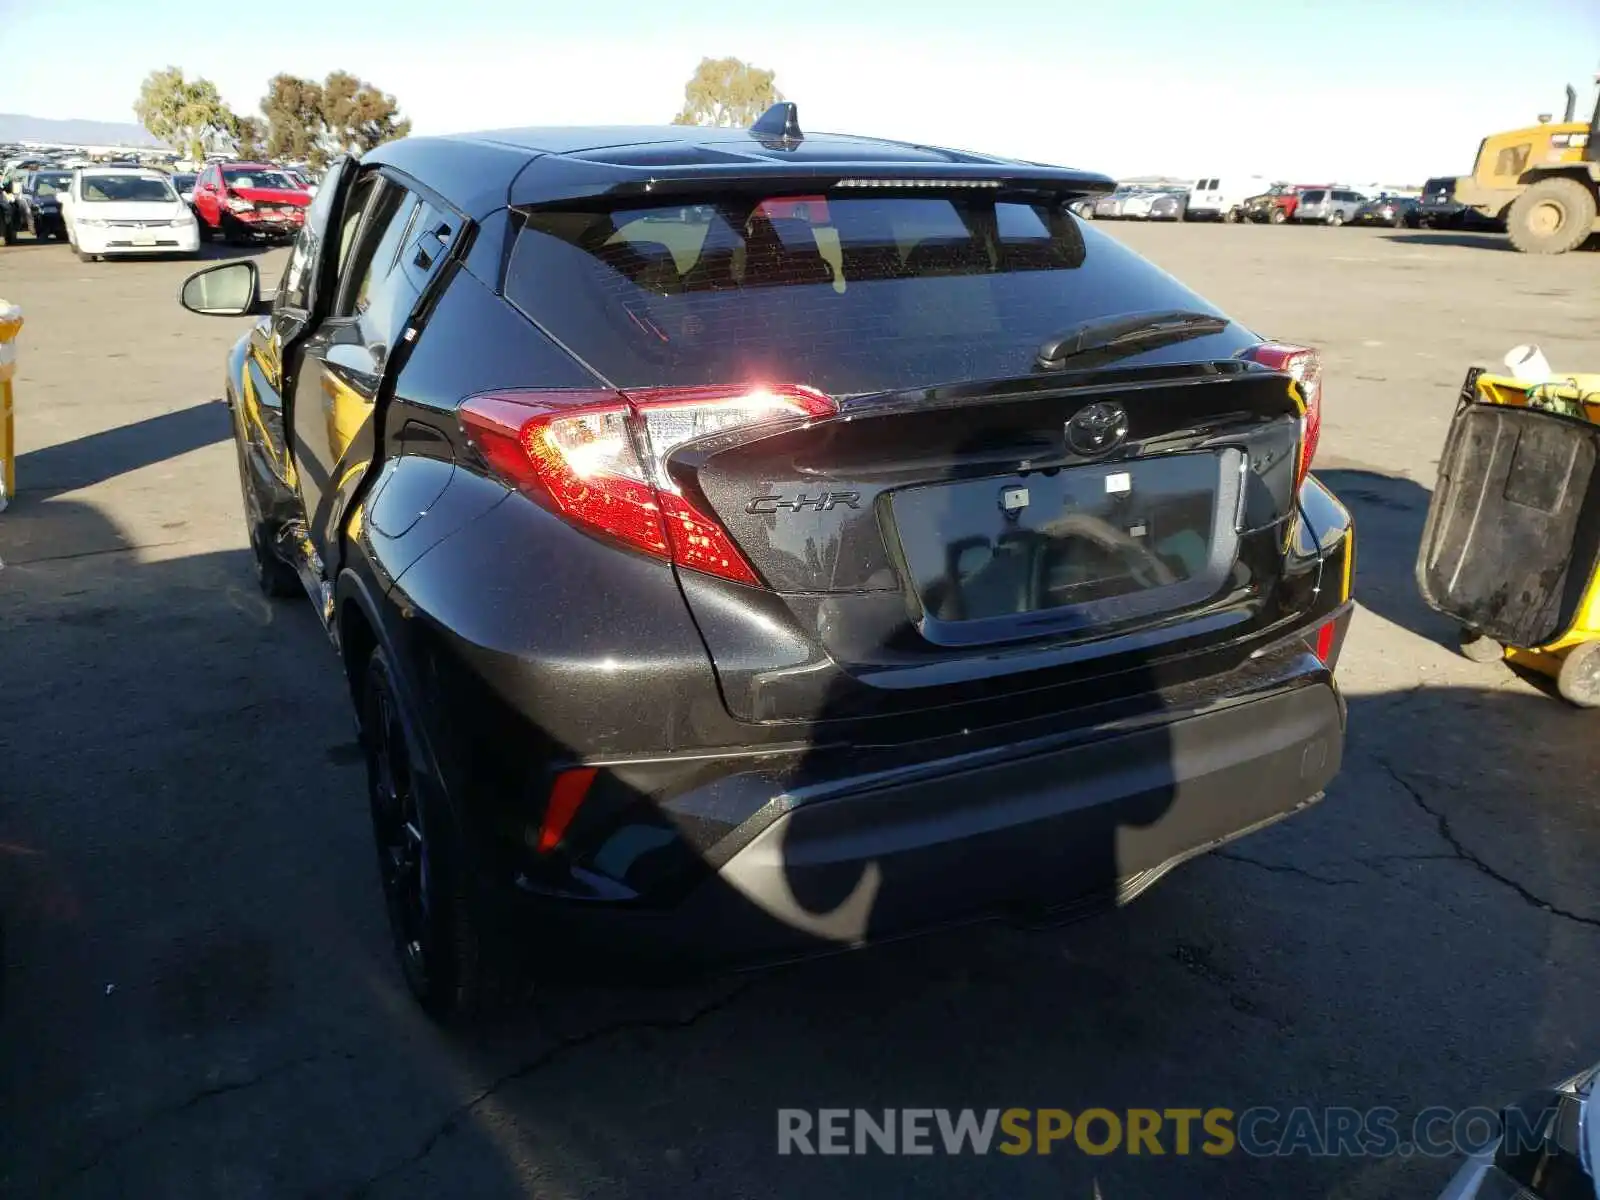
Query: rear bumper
[(1049, 826), (118, 242), (268, 227)]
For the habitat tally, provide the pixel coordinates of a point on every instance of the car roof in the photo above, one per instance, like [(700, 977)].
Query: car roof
[(120, 170), (481, 172)]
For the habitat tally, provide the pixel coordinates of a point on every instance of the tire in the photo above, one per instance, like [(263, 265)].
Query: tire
[(1479, 649), (82, 257), (10, 234), (1231, 217), (1579, 678), (1278, 217), (276, 578), (232, 232), (450, 930), (1336, 218), (1551, 216)]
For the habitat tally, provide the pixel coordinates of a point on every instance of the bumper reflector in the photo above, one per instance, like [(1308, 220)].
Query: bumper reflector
[(1322, 642), (566, 794)]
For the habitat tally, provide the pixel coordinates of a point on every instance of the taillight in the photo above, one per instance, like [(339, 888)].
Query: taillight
[(598, 459), (1304, 366)]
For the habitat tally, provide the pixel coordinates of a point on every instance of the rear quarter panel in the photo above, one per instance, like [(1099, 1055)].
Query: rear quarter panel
[(580, 644)]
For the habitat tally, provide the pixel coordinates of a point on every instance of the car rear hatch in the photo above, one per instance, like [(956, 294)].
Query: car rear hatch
[(924, 547), (943, 515)]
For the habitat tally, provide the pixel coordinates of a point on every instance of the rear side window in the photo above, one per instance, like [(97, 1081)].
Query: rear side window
[(849, 295)]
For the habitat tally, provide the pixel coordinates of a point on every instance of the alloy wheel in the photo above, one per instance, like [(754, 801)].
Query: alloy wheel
[(402, 846)]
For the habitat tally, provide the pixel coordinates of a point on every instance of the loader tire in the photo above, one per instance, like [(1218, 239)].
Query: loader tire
[(1551, 216), (1579, 679)]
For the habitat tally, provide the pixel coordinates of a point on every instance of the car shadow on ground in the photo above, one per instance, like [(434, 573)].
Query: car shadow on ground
[(217, 251), (208, 252), (1486, 240), (96, 457), (201, 985)]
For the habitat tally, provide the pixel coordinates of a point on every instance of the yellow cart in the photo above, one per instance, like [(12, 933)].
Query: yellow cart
[(1511, 548)]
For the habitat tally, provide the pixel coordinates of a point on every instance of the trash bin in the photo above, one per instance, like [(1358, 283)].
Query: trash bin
[(1511, 548), (10, 327)]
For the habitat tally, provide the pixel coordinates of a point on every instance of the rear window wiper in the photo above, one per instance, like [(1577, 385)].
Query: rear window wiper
[(1128, 333)]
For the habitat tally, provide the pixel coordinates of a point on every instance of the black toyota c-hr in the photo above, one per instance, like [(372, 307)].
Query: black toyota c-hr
[(744, 544)]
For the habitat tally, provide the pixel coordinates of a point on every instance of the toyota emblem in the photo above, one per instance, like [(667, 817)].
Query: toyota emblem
[(1097, 429)]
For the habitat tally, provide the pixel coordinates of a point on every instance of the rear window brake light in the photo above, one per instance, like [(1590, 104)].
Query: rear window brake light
[(918, 183)]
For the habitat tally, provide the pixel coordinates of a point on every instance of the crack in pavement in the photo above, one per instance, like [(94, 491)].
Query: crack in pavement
[(1372, 860), (192, 1101), (1442, 822), (537, 1063), (1285, 869)]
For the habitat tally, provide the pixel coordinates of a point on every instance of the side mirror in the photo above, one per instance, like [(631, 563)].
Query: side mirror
[(231, 289)]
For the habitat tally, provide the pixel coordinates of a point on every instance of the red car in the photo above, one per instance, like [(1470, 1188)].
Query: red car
[(1284, 205), (248, 201)]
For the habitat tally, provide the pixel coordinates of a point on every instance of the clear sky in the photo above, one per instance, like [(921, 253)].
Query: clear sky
[(1359, 90)]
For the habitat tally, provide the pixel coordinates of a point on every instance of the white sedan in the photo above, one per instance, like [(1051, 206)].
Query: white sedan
[(113, 211)]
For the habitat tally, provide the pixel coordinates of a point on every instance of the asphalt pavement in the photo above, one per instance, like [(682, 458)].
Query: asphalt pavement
[(199, 996)]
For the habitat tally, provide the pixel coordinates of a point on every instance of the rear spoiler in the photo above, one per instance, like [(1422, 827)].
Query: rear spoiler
[(568, 181)]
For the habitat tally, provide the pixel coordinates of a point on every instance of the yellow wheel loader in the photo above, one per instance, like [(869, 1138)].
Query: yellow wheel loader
[(1542, 181)]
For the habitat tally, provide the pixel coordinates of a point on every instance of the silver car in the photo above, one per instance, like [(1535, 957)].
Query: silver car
[(1328, 206), (1110, 205), (1548, 1148)]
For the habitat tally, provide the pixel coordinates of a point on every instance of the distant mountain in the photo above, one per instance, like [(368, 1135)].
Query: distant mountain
[(14, 127)]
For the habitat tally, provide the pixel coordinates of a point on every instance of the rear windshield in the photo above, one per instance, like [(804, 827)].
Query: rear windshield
[(101, 188), (1439, 185), (848, 295), (258, 179), (49, 184), (1313, 197)]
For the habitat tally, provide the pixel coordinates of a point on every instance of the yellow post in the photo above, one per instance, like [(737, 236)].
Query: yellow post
[(10, 326)]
